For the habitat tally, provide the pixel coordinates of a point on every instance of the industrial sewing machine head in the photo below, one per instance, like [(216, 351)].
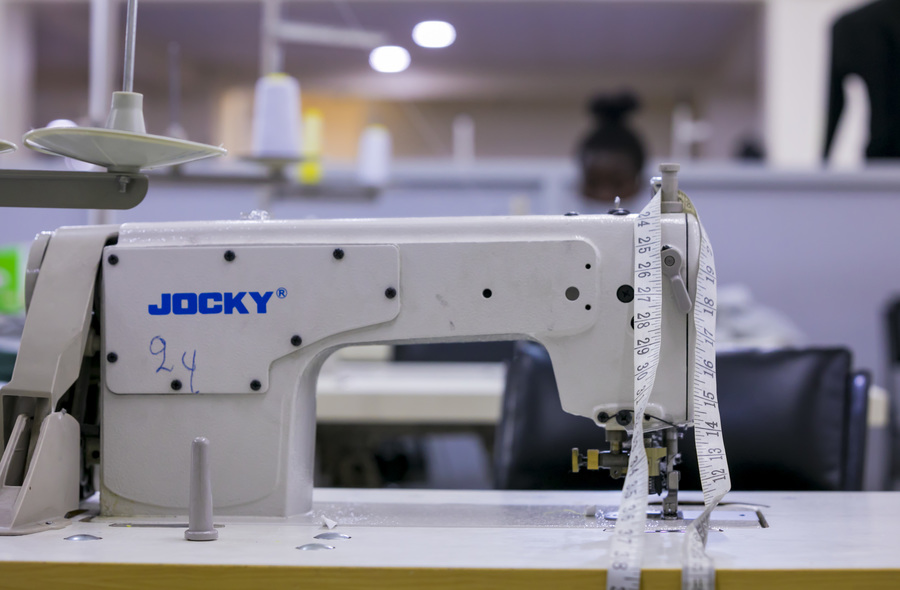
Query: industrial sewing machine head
[(141, 337)]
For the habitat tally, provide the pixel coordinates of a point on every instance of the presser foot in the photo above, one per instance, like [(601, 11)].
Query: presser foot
[(662, 455)]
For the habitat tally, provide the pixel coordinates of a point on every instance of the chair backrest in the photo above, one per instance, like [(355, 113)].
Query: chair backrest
[(792, 419), (458, 352), (893, 335), (7, 362)]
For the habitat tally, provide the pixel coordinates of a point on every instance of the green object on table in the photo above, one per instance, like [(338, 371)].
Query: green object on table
[(12, 293)]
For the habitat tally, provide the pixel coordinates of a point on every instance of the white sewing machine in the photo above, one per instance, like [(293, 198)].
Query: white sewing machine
[(218, 329)]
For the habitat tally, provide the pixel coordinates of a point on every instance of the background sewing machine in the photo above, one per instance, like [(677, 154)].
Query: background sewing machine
[(172, 331)]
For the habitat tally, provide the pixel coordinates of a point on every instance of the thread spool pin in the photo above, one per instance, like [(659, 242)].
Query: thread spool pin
[(200, 510), (669, 202)]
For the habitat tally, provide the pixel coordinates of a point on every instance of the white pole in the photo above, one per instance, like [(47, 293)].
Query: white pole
[(130, 38), (100, 73), (271, 56)]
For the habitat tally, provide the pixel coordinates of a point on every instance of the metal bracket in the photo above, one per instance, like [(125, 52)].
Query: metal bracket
[(672, 265), (71, 190)]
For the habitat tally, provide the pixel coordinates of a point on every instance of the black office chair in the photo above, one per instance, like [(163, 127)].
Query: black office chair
[(7, 362), (893, 334), (791, 420), (445, 456), (458, 352)]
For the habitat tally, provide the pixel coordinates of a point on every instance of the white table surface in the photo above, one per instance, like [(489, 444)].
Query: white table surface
[(372, 392), (835, 539)]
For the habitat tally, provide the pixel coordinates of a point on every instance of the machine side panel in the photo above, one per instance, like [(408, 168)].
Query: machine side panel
[(262, 442), (594, 370), (192, 318), (551, 279)]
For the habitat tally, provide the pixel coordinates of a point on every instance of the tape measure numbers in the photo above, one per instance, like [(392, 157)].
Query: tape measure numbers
[(626, 551), (698, 572)]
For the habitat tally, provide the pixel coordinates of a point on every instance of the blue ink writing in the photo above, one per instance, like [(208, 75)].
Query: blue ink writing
[(191, 368), (159, 349)]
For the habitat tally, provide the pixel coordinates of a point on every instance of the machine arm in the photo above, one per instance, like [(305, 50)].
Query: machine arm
[(219, 329)]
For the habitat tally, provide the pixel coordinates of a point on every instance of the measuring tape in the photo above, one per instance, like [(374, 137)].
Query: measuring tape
[(626, 551), (624, 571), (698, 572)]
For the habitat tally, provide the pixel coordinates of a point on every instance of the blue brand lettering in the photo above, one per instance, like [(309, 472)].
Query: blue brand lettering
[(164, 308), (233, 302), (184, 303), (209, 303), (206, 301), (261, 300)]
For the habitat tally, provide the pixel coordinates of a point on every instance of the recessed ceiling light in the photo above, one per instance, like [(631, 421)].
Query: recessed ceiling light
[(389, 59), (434, 33)]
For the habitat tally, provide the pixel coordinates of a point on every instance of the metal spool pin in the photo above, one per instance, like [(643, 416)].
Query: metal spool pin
[(130, 37)]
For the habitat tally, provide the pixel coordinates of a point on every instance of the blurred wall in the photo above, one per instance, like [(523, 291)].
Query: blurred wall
[(504, 128), (781, 102), (797, 45), (531, 118), (17, 66)]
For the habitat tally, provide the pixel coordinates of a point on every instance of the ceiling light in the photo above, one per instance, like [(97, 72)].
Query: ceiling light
[(389, 59), (434, 33)]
